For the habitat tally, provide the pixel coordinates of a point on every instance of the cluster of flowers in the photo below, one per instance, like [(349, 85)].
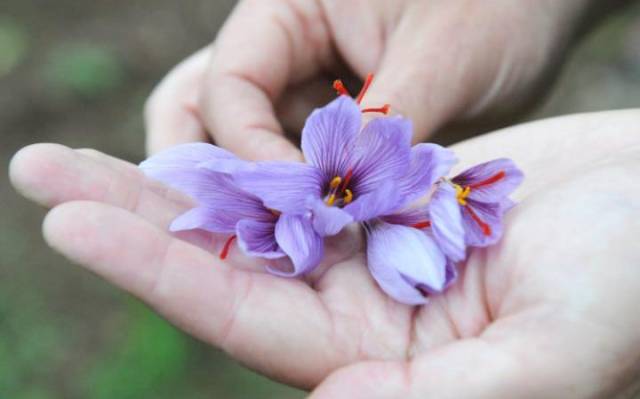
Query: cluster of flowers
[(418, 222)]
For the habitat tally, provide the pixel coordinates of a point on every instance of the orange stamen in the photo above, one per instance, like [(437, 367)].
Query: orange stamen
[(422, 225), (227, 245), (486, 230), (365, 87), (384, 109), (347, 179), (339, 87), (497, 177)]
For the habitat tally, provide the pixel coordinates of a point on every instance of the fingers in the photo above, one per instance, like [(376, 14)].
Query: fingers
[(262, 48), (51, 174), (171, 113), (265, 322)]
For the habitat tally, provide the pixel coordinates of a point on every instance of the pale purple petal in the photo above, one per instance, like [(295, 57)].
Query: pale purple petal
[(451, 274), (257, 238), (327, 220), (491, 181), (186, 156), (429, 163), (446, 222), (482, 223), (328, 134), (283, 186), (404, 261), (297, 238), (203, 218), (383, 201), (381, 155), (408, 217)]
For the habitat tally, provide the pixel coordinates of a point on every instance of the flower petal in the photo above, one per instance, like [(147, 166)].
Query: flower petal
[(186, 156), (327, 220), (257, 238), (429, 162), (383, 201), (296, 237), (446, 222), (482, 223), (328, 134), (220, 203), (403, 259), (283, 186), (382, 154), (451, 274), (491, 181)]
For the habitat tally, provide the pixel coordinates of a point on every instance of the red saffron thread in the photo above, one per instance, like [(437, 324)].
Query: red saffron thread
[(486, 230), (227, 245), (347, 179), (384, 109), (422, 225), (365, 87), (339, 87), (497, 177)]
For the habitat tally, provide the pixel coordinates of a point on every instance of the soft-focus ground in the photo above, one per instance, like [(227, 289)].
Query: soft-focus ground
[(78, 73)]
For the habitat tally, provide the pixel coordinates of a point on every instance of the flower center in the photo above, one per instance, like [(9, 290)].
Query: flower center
[(342, 91), (462, 193), (339, 194)]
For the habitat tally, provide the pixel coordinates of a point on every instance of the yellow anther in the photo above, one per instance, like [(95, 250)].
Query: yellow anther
[(335, 182), (462, 194), (331, 199), (348, 196)]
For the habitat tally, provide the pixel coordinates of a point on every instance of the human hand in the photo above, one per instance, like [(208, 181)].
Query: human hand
[(435, 62), (551, 311)]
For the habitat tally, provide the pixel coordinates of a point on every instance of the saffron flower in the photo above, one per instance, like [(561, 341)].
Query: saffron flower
[(411, 253), (418, 222), (352, 174), (481, 195), (199, 171)]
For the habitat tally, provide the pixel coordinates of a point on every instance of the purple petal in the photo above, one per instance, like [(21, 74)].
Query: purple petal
[(446, 222), (403, 259), (284, 186), (381, 155), (296, 237), (429, 163), (257, 238), (186, 156), (383, 201), (482, 223), (327, 220), (408, 217), (451, 274), (220, 203), (328, 134), (491, 181)]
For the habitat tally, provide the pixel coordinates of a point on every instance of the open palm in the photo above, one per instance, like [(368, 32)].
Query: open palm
[(551, 311)]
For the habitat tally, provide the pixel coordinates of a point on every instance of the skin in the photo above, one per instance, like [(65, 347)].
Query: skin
[(549, 312), (437, 61)]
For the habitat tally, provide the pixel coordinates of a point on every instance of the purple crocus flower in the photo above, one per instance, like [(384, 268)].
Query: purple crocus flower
[(352, 174), (199, 170), (481, 195), (411, 253)]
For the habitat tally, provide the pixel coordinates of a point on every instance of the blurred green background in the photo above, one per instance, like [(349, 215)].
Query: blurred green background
[(77, 73)]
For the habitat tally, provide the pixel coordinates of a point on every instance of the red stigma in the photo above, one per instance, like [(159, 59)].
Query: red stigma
[(347, 179), (339, 87), (421, 225), (493, 179), (227, 246), (486, 229), (384, 109), (365, 87)]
